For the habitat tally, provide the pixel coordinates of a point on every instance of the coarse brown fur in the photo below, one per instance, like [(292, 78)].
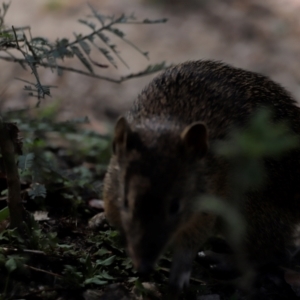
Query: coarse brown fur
[(162, 160)]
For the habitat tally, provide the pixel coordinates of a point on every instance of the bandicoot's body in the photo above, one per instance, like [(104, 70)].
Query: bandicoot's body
[(162, 161)]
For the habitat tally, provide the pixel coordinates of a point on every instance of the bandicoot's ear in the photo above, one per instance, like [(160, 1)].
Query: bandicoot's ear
[(195, 138), (122, 131)]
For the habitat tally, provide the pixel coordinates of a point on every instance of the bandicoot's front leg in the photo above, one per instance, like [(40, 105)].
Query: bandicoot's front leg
[(111, 195), (181, 271), (186, 246)]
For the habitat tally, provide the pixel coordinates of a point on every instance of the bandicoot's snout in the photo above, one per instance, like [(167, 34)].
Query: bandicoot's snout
[(140, 263), (144, 268), (143, 258)]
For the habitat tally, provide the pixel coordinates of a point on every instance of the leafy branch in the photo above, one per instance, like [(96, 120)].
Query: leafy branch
[(38, 51)]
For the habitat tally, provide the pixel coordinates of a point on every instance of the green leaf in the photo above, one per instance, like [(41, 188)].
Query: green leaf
[(89, 24), (97, 15), (6, 35), (61, 49), (85, 47), (127, 263), (11, 264), (37, 190), (106, 53), (101, 252), (81, 57), (103, 37), (4, 213), (147, 21), (83, 44), (149, 70), (5, 6), (117, 32), (132, 279), (105, 275), (94, 280), (65, 246), (39, 40), (105, 40), (106, 262), (25, 161)]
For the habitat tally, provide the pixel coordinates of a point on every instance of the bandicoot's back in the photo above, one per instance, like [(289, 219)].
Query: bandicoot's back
[(162, 161)]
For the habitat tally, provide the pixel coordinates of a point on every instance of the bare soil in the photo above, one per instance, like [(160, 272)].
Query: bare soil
[(261, 36)]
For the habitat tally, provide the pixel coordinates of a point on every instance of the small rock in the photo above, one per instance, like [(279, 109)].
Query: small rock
[(96, 203), (41, 216), (98, 221), (151, 291)]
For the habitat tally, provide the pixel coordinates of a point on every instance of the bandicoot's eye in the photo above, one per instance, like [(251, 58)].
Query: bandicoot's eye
[(175, 206)]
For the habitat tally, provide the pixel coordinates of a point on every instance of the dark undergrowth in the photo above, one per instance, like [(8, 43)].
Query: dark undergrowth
[(61, 257)]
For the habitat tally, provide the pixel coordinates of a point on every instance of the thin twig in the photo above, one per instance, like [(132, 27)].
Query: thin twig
[(30, 48), (63, 68), (43, 271), (23, 250), (15, 58), (16, 29), (192, 278), (4, 12), (86, 37), (34, 84), (43, 290), (113, 50), (97, 31), (16, 39), (129, 43), (47, 65), (40, 88)]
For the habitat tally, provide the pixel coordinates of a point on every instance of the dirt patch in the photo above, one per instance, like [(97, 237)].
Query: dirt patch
[(260, 36)]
